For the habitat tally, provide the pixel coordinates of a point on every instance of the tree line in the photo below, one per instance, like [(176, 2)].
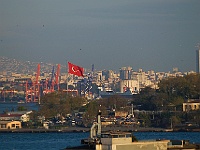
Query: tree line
[(168, 100)]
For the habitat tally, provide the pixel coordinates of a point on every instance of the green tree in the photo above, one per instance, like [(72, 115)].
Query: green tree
[(114, 102), (148, 99), (91, 112), (34, 120), (175, 120), (21, 108), (59, 103), (185, 87), (145, 119)]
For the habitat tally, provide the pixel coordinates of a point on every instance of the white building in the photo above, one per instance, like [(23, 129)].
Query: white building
[(133, 85), (191, 105)]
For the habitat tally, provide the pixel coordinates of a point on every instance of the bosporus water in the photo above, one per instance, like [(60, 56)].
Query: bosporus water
[(58, 141), (13, 106)]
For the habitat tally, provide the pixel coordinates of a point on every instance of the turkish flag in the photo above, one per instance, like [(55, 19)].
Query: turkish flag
[(76, 70)]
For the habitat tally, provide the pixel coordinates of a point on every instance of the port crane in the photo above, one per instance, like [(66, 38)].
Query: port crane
[(34, 88), (52, 84)]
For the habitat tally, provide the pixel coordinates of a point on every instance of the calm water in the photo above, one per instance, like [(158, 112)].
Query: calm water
[(58, 141), (14, 106)]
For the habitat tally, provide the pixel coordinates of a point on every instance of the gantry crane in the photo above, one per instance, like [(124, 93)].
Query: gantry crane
[(52, 84), (33, 88)]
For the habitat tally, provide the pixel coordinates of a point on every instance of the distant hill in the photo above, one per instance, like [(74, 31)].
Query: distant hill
[(25, 67)]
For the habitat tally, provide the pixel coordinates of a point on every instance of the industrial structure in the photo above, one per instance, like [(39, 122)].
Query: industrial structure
[(7, 93), (34, 88)]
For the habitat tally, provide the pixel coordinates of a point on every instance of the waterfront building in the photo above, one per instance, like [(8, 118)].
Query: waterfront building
[(191, 105), (8, 117), (10, 125), (23, 116)]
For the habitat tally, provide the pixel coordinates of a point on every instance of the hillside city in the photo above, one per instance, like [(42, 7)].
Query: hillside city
[(126, 97), (11, 70)]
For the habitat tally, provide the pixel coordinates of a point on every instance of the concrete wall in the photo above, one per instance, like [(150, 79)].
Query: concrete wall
[(111, 141), (148, 145), (153, 145)]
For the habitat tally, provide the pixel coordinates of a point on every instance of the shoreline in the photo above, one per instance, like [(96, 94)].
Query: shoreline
[(104, 129)]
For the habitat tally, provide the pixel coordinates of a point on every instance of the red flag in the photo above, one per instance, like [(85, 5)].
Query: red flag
[(76, 70)]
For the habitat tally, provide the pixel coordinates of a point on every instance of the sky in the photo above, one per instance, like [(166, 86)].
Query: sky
[(149, 34)]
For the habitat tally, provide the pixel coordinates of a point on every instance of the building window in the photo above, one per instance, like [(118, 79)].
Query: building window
[(13, 125), (114, 136), (121, 135), (3, 126)]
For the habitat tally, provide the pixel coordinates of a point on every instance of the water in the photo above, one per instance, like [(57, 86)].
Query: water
[(193, 137), (14, 106), (58, 141), (33, 141)]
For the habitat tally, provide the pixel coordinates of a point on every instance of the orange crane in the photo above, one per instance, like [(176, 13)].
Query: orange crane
[(37, 85), (33, 88)]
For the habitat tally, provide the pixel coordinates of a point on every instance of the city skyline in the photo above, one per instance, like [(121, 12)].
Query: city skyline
[(27, 67), (156, 35)]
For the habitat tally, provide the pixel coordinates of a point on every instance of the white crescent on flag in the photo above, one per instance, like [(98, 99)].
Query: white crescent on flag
[(74, 69)]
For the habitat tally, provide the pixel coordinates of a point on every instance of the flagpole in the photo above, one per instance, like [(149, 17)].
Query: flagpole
[(67, 78), (74, 70), (67, 83)]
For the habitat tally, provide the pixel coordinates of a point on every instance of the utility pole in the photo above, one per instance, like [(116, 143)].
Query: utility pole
[(171, 123)]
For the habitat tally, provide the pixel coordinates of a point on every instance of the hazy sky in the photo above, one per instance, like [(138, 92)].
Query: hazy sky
[(149, 34)]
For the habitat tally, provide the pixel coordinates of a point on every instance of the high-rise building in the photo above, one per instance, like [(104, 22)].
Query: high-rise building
[(198, 60), (125, 73)]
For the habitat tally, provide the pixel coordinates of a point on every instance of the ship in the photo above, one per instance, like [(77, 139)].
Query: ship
[(108, 93), (116, 140)]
